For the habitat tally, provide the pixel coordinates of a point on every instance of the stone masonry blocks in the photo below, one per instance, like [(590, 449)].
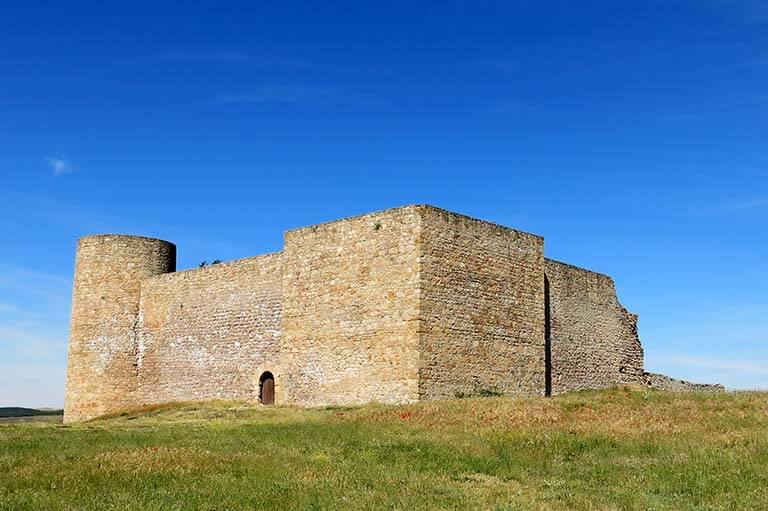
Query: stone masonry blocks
[(593, 338), (109, 270), (351, 311), (203, 333), (407, 304), (482, 308)]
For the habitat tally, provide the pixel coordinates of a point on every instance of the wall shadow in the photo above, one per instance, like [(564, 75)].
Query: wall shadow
[(547, 341)]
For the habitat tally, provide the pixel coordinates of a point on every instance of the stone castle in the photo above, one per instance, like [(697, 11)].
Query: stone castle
[(407, 304)]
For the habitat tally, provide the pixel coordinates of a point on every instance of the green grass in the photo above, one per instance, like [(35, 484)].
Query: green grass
[(616, 449)]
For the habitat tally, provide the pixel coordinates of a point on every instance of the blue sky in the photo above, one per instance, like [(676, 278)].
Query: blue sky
[(631, 135)]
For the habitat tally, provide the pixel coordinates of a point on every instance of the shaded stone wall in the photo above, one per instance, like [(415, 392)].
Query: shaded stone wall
[(109, 269), (482, 308), (208, 333), (593, 340), (664, 382), (350, 311)]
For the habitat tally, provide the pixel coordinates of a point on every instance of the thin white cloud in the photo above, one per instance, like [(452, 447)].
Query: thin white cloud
[(734, 207), (31, 340), (59, 166), (218, 56), (234, 57), (288, 94), (759, 203), (31, 281), (742, 366), (189, 56), (503, 66), (34, 317), (753, 12), (8, 308), (750, 12)]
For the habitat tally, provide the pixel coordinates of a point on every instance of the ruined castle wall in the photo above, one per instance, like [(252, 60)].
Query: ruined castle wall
[(664, 382), (350, 311), (593, 339), (109, 269), (482, 308), (207, 333)]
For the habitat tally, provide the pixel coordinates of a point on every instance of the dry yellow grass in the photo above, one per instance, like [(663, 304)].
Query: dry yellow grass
[(626, 448)]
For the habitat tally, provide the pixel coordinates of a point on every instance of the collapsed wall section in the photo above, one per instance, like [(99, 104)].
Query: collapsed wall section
[(664, 382), (207, 333), (592, 338), (350, 311), (482, 308)]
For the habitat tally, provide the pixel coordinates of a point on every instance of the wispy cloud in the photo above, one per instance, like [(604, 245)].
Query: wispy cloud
[(218, 56), (503, 66), (752, 12), (59, 166), (20, 287), (8, 307), (742, 366), (289, 94), (234, 57), (511, 107), (747, 106), (730, 208), (73, 221), (759, 203), (33, 335)]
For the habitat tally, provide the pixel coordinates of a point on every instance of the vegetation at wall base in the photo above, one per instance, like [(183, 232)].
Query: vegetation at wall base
[(624, 448)]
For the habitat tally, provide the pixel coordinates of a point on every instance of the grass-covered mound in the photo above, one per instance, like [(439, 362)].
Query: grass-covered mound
[(616, 449)]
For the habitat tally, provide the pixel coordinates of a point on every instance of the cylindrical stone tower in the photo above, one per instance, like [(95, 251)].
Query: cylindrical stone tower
[(103, 344)]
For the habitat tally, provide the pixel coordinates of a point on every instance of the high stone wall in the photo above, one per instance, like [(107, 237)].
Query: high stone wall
[(593, 341), (350, 311), (394, 306), (208, 333), (482, 308)]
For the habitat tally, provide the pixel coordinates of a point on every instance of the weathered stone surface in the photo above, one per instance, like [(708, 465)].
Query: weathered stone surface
[(482, 308), (204, 333), (351, 311), (593, 339), (395, 306), (664, 382), (109, 270)]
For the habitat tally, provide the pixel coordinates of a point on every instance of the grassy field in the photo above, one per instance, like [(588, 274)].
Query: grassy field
[(616, 449)]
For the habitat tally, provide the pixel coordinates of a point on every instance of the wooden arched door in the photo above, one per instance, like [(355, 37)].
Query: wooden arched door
[(267, 389)]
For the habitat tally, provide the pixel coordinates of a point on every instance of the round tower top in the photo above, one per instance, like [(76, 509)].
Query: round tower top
[(125, 237)]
